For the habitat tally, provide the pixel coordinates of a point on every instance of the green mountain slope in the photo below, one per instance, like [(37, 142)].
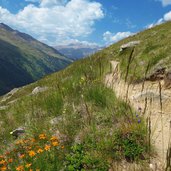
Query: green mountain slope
[(95, 129), (24, 59)]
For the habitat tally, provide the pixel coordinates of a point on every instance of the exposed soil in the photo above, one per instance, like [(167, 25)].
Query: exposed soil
[(154, 102)]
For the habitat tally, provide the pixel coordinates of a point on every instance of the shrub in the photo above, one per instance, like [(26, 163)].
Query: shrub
[(80, 160), (130, 146)]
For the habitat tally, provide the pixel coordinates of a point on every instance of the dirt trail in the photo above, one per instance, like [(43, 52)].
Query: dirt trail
[(147, 96)]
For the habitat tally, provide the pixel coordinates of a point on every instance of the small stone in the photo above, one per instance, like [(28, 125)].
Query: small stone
[(17, 132), (129, 44), (39, 90)]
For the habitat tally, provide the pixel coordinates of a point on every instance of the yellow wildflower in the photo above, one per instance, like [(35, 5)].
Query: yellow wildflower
[(28, 165), (3, 168), (32, 153), (33, 140), (62, 147), (54, 138), (42, 136), (39, 150), (2, 162), (47, 147), (55, 143), (20, 168)]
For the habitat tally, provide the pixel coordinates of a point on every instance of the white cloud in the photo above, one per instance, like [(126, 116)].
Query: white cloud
[(160, 21), (165, 2), (167, 16), (51, 3), (77, 43), (54, 21), (109, 37)]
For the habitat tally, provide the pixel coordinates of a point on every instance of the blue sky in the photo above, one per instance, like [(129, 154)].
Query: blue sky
[(101, 22)]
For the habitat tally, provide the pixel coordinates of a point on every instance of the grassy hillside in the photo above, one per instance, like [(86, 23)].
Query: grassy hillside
[(93, 126), (78, 123), (23, 59), (153, 52)]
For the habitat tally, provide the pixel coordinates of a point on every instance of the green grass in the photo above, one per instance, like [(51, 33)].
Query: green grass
[(95, 126), (89, 113)]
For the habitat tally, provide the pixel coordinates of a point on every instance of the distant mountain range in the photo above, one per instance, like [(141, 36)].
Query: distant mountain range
[(23, 59), (77, 50)]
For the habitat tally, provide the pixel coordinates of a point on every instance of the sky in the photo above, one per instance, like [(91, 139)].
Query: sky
[(92, 22)]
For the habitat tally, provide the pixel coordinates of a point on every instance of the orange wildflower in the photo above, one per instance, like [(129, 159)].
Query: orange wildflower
[(28, 165), (39, 150), (21, 156), (7, 153), (62, 147), (10, 160), (20, 168), (33, 140), (32, 153), (53, 138), (26, 141), (19, 142), (55, 143), (1, 156), (3, 168), (42, 136), (31, 170), (47, 147), (2, 162)]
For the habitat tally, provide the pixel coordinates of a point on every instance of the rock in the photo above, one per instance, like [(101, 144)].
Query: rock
[(12, 92), (56, 120), (9, 95), (128, 45), (167, 80), (3, 107), (39, 90), (157, 75), (17, 132), (62, 138)]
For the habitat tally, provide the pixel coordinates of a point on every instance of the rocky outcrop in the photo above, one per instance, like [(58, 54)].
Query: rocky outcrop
[(129, 44), (158, 74), (17, 132), (39, 90), (167, 80), (9, 95)]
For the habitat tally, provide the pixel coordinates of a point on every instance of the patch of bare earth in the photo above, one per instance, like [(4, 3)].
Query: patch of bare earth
[(155, 102)]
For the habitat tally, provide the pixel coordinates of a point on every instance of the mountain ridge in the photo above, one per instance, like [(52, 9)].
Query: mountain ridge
[(78, 50), (29, 58)]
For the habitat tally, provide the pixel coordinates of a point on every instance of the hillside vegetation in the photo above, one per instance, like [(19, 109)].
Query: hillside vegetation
[(78, 123), (153, 52), (24, 59)]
